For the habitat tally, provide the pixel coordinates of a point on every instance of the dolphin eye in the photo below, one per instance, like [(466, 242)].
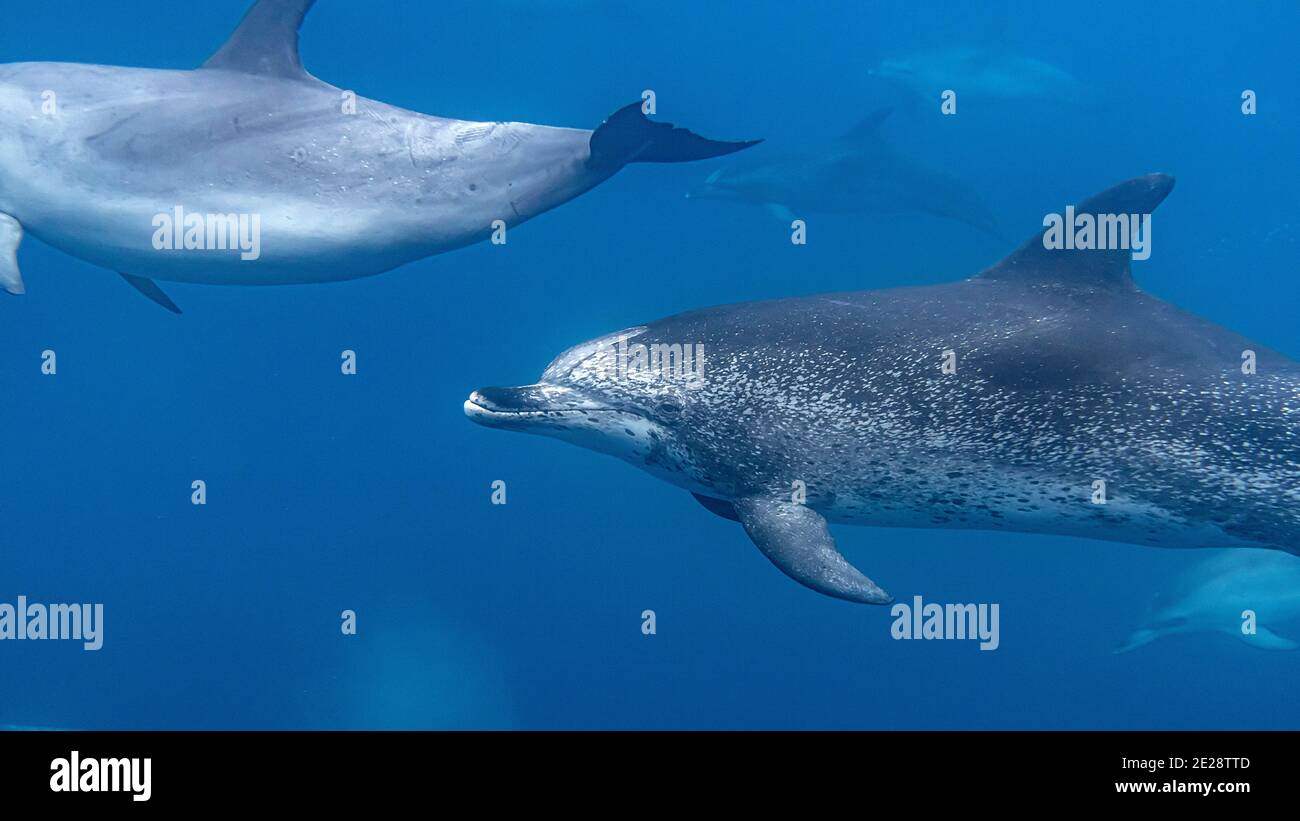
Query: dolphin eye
[(668, 406)]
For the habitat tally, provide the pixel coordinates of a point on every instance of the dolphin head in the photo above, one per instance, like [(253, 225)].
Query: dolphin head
[(611, 394)]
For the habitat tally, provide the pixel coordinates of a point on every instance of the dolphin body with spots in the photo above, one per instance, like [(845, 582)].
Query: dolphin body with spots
[(836, 409), (250, 171)]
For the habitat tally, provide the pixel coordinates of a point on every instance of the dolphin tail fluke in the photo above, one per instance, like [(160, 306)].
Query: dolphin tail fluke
[(795, 538), (151, 290), (11, 236), (629, 136)]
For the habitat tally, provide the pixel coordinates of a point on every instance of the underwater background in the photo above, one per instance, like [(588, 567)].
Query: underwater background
[(373, 492)]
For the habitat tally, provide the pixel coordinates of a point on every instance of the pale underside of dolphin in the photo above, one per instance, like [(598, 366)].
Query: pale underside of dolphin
[(1239, 593), (857, 173), (92, 158), (1067, 382)]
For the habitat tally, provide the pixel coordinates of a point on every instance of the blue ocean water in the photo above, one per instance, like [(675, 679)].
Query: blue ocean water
[(372, 493)]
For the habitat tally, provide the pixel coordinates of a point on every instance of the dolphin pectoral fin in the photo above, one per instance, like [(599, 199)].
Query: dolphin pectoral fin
[(150, 289), (11, 236), (779, 211), (718, 507), (1266, 639), (629, 136), (795, 538)]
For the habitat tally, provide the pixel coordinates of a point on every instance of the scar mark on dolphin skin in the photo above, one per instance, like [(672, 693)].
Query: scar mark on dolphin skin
[(410, 144), (474, 133), (114, 127)]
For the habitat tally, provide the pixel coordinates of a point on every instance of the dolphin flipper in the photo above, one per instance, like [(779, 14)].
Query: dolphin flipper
[(795, 538), (629, 136), (718, 507), (150, 289), (1266, 639), (11, 236)]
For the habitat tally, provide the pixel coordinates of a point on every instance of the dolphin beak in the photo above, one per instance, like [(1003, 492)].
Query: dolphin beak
[(527, 406)]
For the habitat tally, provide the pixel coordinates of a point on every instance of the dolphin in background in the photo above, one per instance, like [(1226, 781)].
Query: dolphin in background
[(250, 171), (1212, 595), (858, 173), (1000, 402), (981, 74)]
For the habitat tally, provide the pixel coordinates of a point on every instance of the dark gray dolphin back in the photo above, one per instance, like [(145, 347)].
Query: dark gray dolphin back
[(1032, 262)]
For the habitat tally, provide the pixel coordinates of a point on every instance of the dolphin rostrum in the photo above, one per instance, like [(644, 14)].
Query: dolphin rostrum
[(857, 173), (1047, 394), (1238, 592), (251, 171)]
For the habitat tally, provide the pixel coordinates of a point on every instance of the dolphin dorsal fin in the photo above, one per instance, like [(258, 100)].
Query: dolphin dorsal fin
[(266, 41), (869, 126), (1032, 262)]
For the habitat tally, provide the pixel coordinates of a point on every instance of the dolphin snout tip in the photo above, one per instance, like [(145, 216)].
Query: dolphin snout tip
[(471, 406), (477, 407)]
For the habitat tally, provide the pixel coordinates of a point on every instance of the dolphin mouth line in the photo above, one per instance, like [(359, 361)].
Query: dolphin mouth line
[(477, 407)]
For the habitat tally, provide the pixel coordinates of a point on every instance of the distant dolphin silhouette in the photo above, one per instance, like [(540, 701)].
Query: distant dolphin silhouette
[(1213, 595), (981, 74), (857, 173), (1007, 401), (123, 167)]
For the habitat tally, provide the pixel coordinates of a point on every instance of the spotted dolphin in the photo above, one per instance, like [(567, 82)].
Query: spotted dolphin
[(856, 173), (249, 170), (1241, 593), (1047, 394)]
